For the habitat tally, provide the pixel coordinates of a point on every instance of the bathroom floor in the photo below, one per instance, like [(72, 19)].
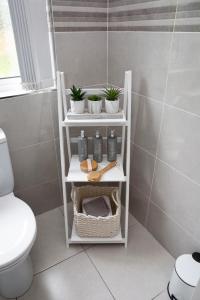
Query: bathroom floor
[(102, 272)]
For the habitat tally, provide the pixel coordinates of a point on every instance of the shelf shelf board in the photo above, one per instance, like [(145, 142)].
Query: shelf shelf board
[(75, 238), (75, 174), (102, 119)]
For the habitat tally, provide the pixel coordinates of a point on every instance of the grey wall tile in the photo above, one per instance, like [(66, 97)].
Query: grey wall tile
[(42, 197), (138, 204), (54, 111), (34, 165), (147, 117), (82, 56), (128, 51), (183, 83), (169, 234), (178, 197), (26, 120), (180, 142), (188, 17), (142, 167)]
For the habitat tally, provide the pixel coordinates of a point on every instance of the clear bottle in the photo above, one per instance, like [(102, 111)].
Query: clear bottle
[(98, 147), (112, 146), (82, 146)]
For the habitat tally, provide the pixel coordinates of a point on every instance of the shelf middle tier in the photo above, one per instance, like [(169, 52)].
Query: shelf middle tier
[(75, 174)]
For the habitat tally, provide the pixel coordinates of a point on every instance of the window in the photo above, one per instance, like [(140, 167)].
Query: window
[(8, 56), (25, 47), (9, 67)]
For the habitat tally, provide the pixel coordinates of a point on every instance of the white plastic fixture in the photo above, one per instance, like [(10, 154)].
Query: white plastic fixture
[(185, 277), (17, 232)]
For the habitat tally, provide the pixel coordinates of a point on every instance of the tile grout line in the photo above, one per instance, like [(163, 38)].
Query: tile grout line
[(147, 98), (161, 120), (58, 263), (167, 164), (107, 41), (55, 150), (33, 145), (158, 295), (92, 262), (166, 214), (36, 185), (175, 222)]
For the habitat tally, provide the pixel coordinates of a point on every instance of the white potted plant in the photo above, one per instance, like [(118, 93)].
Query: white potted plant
[(77, 101), (112, 100), (94, 104)]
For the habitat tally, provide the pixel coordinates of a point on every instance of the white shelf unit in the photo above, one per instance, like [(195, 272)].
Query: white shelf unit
[(73, 174)]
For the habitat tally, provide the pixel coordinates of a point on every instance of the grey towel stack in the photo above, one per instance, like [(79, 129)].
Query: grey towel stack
[(97, 206)]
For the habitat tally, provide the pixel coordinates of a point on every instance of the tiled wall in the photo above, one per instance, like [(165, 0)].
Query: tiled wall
[(156, 15), (161, 45), (81, 40), (30, 123)]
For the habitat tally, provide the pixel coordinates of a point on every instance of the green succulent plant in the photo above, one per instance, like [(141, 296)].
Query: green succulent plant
[(111, 94), (94, 97), (77, 93)]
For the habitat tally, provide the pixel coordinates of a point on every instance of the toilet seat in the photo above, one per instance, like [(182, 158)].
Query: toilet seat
[(17, 230)]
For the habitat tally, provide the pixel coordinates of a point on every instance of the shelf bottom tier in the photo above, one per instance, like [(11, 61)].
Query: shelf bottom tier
[(75, 239)]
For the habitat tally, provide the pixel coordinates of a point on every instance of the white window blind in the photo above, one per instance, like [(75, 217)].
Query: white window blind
[(33, 43)]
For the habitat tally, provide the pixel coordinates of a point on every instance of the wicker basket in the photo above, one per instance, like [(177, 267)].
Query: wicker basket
[(90, 226)]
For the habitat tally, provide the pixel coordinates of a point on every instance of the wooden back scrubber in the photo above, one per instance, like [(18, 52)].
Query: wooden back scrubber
[(95, 176)]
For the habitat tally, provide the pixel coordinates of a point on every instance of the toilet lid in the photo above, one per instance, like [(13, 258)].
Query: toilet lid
[(17, 229)]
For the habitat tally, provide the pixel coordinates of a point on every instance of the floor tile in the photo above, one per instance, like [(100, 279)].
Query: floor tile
[(73, 279), (139, 272), (162, 296), (50, 247)]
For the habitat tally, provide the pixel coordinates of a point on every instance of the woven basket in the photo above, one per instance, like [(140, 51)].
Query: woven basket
[(90, 226)]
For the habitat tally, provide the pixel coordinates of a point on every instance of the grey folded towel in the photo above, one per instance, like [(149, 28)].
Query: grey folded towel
[(96, 206)]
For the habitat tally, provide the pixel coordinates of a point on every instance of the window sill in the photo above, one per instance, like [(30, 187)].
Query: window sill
[(12, 88)]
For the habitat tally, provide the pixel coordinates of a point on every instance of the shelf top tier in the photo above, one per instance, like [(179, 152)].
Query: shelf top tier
[(102, 119), (75, 174), (87, 119)]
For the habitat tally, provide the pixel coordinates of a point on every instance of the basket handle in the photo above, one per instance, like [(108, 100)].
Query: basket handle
[(114, 197), (73, 193)]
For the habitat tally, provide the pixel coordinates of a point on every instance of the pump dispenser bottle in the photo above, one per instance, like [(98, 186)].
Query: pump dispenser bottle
[(98, 147), (82, 146), (112, 146)]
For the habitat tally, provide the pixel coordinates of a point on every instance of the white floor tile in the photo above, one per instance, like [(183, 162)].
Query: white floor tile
[(74, 279), (139, 272), (50, 247), (162, 296)]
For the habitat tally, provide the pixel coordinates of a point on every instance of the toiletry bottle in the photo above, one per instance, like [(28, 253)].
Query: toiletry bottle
[(82, 146), (112, 146), (98, 147)]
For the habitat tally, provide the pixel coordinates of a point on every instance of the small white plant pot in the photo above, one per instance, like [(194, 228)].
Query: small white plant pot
[(77, 107), (94, 107), (112, 107)]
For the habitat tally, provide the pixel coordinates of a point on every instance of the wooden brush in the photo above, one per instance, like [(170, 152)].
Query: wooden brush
[(95, 176)]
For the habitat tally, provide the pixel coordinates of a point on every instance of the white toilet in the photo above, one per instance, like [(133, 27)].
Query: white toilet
[(17, 232)]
